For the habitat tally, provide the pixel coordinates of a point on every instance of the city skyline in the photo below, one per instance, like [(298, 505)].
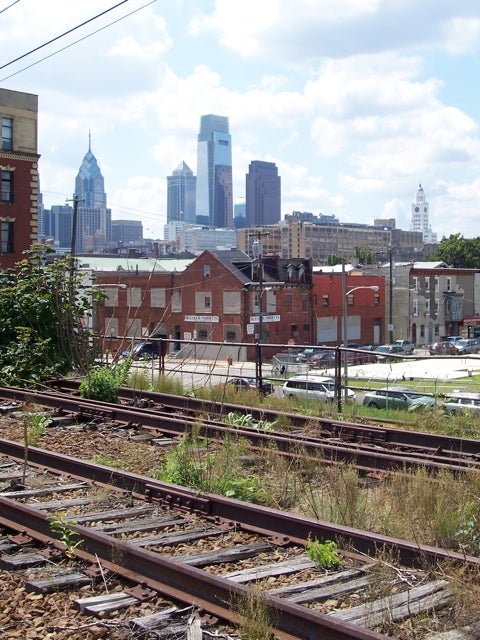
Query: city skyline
[(355, 103)]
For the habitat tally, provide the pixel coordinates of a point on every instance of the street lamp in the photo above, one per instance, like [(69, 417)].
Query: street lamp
[(345, 295)]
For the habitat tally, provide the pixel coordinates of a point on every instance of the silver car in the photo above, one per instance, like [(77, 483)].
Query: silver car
[(462, 402)]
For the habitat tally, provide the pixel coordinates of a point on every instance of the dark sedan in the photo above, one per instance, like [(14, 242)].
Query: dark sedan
[(250, 383)]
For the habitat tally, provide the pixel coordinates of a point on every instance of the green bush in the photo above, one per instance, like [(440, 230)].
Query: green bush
[(104, 383)]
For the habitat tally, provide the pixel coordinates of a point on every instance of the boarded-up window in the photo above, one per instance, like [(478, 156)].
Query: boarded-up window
[(111, 327), (134, 297), (157, 298), (231, 301), (133, 327), (111, 299), (203, 302), (176, 301)]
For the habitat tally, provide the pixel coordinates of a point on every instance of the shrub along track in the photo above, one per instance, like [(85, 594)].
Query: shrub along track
[(207, 551), (366, 447)]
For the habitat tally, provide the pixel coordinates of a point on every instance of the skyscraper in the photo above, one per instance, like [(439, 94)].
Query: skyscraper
[(181, 194), (262, 194), (93, 217), (420, 217), (214, 172)]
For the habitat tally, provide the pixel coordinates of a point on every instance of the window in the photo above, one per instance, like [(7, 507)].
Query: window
[(350, 300), (427, 307), (437, 284), (415, 307), (7, 236), (437, 330), (231, 302), (203, 302), (437, 306), (415, 283), (449, 284), (7, 129), (157, 298), (288, 302), (376, 299), (422, 331), (427, 284), (7, 186), (134, 297), (206, 270), (325, 300)]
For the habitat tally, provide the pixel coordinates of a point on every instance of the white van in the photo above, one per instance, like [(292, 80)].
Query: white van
[(311, 387)]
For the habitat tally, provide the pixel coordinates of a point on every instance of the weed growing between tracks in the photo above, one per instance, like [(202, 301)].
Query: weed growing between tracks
[(256, 618)]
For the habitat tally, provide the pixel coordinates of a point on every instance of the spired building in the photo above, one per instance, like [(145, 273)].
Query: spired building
[(93, 216), (181, 194), (214, 173), (420, 217), (263, 194)]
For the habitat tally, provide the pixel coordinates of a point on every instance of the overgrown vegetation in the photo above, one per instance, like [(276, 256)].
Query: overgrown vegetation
[(43, 306), (193, 464), (256, 616), (104, 382), (36, 425), (324, 554)]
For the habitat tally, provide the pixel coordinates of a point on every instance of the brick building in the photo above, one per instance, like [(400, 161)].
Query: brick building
[(365, 308), (19, 170), (221, 296)]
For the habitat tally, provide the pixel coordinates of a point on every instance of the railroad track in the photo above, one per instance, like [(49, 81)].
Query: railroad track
[(209, 553), (367, 447)]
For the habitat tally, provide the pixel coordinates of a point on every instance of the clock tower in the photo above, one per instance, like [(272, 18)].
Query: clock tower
[(420, 217)]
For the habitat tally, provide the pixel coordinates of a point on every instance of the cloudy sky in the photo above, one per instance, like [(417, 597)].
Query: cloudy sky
[(356, 101)]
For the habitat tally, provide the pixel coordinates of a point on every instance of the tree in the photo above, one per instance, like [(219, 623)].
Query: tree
[(457, 251), (43, 307)]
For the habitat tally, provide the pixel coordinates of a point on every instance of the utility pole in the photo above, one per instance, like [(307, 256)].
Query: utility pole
[(257, 251), (390, 297)]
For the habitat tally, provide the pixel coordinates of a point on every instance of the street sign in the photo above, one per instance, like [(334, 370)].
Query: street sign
[(256, 319)]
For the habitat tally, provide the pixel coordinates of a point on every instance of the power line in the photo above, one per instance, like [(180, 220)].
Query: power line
[(9, 6), (24, 55), (77, 41)]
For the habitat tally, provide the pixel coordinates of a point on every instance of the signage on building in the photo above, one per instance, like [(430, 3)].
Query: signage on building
[(202, 319), (250, 329), (256, 319)]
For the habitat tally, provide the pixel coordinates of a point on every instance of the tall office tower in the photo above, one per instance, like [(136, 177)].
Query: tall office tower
[(93, 218), (214, 173), (263, 194), (239, 220), (420, 217), (181, 194), (62, 215)]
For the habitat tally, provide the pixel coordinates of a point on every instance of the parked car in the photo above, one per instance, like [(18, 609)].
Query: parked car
[(407, 346), (384, 350), (311, 387), (397, 398), (467, 345), (452, 339), (323, 360), (442, 348), (306, 354), (462, 402), (242, 384), (142, 350)]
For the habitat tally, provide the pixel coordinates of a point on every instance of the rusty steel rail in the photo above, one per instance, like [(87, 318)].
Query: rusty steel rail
[(251, 517), (358, 432), (177, 580), (381, 455)]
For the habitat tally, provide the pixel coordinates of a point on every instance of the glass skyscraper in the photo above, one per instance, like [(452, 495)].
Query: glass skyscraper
[(214, 172), (263, 194), (181, 194), (93, 217)]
